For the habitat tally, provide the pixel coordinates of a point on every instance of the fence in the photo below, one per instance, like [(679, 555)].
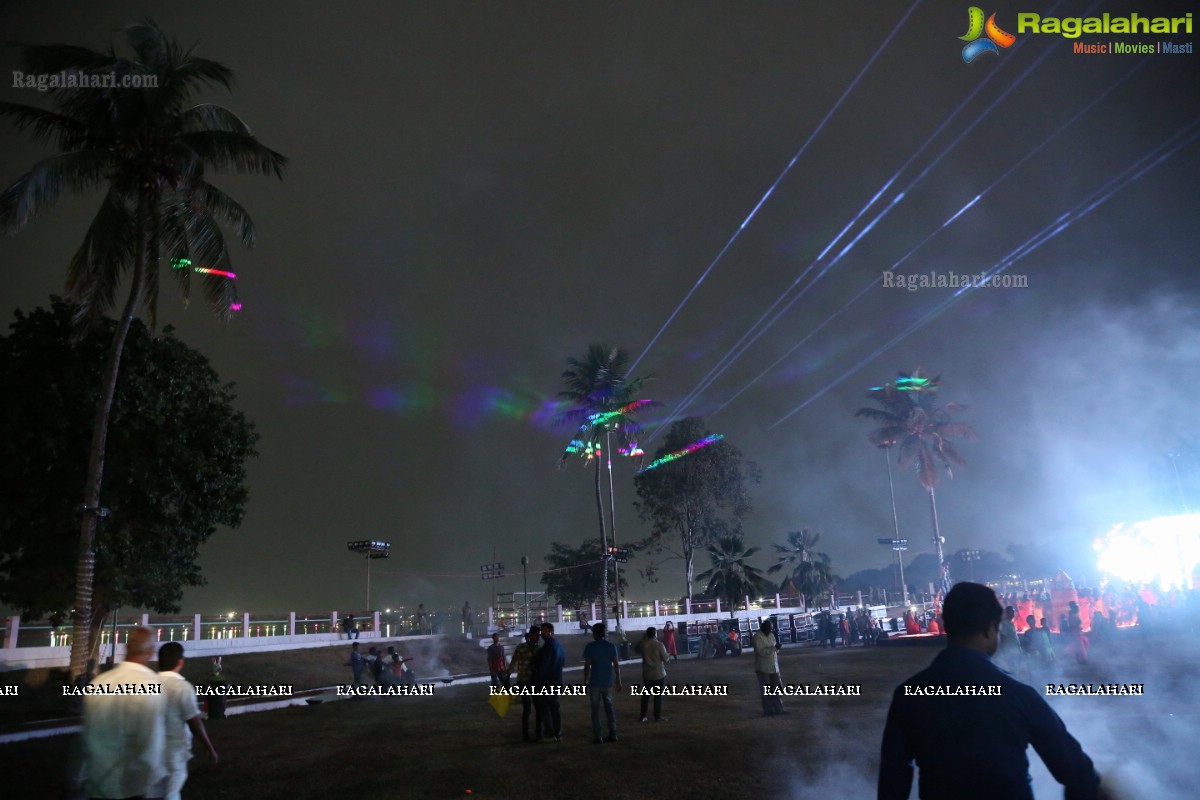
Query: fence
[(28, 646)]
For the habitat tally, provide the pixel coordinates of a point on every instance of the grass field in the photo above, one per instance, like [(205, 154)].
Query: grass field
[(454, 745)]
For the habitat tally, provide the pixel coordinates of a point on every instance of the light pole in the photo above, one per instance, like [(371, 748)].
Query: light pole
[(372, 550), (525, 580), (897, 542), (612, 526)]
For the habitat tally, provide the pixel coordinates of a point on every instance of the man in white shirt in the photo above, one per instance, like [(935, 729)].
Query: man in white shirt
[(766, 667), (123, 726), (183, 719)]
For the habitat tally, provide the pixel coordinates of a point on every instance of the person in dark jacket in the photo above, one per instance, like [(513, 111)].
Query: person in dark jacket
[(967, 724), (548, 674)]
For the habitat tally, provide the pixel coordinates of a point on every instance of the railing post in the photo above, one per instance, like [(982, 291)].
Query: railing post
[(196, 627), (591, 612), (12, 624), (778, 602), (333, 623), (291, 623), (687, 604), (718, 606), (491, 617), (625, 609), (245, 624), (656, 608), (145, 620), (375, 623)]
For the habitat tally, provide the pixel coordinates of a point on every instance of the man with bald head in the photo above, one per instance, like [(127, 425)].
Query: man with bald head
[(124, 714)]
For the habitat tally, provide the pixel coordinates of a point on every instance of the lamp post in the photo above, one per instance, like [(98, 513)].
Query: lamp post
[(897, 542), (372, 550), (525, 581)]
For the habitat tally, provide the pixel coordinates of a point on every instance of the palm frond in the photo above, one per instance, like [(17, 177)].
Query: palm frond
[(41, 187), (212, 117), (236, 152), (52, 58), (65, 133), (106, 254), (221, 205), (154, 49)]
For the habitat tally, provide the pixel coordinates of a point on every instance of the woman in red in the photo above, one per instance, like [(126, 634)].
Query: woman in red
[(668, 640)]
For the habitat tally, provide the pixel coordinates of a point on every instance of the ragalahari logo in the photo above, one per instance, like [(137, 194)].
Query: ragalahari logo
[(976, 46)]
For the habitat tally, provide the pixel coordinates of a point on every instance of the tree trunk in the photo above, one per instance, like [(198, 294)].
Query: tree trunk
[(603, 549), (943, 573), (689, 555), (85, 563), (896, 523)]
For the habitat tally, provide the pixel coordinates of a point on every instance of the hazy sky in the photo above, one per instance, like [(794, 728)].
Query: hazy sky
[(479, 190)]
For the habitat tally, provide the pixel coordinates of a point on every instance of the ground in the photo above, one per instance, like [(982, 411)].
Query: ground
[(454, 745)]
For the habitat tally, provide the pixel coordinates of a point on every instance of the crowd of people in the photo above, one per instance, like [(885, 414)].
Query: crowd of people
[(386, 668)]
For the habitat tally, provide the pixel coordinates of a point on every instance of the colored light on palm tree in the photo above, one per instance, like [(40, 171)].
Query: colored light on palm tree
[(913, 420), (604, 400), (691, 448), (184, 263)]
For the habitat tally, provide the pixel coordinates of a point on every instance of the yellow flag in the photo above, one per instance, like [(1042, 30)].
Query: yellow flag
[(500, 702)]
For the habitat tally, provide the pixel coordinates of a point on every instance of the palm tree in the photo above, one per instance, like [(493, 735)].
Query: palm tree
[(605, 401), (922, 428), (149, 149), (812, 573), (731, 578)]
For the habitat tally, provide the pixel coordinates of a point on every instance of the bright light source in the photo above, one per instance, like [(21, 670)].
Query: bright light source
[(1162, 551)]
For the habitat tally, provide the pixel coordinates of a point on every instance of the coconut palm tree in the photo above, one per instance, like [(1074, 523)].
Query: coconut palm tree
[(811, 572), (604, 401), (913, 420), (731, 577), (149, 150)]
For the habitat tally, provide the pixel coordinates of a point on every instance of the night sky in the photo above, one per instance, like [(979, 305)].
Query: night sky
[(479, 190)]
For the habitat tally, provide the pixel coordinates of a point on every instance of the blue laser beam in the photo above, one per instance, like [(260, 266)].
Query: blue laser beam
[(1132, 173), (776, 183)]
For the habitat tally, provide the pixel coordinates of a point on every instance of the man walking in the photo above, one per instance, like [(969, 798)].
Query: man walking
[(124, 717), (600, 669), (654, 671), (522, 662), (496, 663), (548, 675), (183, 721), (967, 724), (766, 667)]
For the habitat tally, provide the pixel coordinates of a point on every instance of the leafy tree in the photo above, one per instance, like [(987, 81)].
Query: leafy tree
[(177, 446), (692, 501), (574, 574), (731, 577), (150, 149), (604, 401), (913, 419), (811, 572)]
